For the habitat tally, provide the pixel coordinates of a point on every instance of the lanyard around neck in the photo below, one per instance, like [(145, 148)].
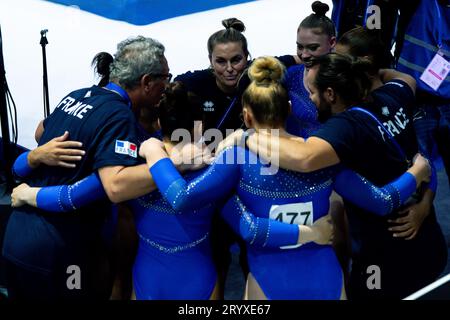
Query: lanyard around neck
[(225, 115), (391, 137), (119, 90)]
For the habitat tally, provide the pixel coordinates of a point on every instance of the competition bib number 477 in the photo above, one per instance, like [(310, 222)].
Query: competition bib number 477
[(293, 213)]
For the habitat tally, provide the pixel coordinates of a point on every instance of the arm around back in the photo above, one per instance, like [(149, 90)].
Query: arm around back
[(387, 75), (294, 153), (126, 183)]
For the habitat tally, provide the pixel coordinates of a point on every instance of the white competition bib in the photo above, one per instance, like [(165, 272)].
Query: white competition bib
[(293, 213), (436, 72)]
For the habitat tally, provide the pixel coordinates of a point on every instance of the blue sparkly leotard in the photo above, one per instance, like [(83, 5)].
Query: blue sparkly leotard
[(303, 119), (173, 260), (309, 272)]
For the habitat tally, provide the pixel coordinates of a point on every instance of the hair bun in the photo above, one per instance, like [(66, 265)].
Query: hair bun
[(101, 63), (320, 8), (233, 23), (266, 70), (360, 65)]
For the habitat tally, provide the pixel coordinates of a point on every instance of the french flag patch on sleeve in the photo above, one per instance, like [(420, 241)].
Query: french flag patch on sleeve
[(126, 147)]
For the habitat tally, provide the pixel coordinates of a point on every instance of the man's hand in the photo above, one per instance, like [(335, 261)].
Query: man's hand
[(24, 194), (149, 146), (232, 139), (191, 156), (421, 169), (323, 229), (152, 150), (409, 224), (56, 152), (188, 156)]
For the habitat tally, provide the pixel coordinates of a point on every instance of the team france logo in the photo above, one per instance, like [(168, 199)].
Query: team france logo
[(126, 147)]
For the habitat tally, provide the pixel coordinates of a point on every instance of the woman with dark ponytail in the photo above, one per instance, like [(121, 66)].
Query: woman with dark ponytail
[(316, 36), (101, 64)]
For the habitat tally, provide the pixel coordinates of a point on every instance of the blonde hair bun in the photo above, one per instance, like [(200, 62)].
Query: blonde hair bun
[(266, 71)]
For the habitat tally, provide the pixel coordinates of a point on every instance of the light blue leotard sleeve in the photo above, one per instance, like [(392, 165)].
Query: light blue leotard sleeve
[(379, 200), (63, 198), (215, 183), (258, 231), (221, 178)]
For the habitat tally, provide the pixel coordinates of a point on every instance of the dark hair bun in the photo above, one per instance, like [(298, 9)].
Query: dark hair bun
[(360, 65), (101, 63), (320, 8), (233, 23)]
